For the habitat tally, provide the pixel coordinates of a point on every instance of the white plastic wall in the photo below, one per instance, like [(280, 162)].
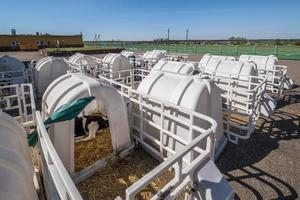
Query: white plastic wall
[(128, 54), (154, 55), (173, 66), (207, 58), (115, 62), (264, 62), (77, 85), (82, 59), (196, 94), (47, 70), (16, 170), (227, 68)]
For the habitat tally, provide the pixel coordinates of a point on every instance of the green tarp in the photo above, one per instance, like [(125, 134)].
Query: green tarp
[(65, 112)]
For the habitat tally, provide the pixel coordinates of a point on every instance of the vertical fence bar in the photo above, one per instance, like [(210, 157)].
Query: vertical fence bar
[(237, 50), (254, 50), (221, 49), (276, 50)]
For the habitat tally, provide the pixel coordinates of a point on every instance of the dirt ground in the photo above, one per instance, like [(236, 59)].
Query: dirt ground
[(267, 166), (23, 55)]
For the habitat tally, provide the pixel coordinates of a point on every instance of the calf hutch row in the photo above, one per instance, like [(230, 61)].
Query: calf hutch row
[(129, 126)]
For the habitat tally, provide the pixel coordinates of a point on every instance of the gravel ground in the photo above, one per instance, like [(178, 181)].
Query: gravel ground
[(267, 166)]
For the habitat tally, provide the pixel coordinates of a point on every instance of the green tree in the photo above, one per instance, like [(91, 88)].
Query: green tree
[(238, 40), (278, 42)]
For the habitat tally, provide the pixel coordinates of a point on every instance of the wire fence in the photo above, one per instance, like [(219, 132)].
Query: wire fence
[(282, 52)]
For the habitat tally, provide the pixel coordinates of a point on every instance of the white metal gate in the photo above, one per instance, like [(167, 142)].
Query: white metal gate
[(18, 101)]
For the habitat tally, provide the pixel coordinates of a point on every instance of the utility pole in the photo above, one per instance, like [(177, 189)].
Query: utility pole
[(187, 35), (98, 39), (95, 40), (186, 39)]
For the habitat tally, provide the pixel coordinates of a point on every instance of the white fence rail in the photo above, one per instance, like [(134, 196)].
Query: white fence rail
[(198, 148), (184, 175), (275, 76), (242, 97), (18, 101), (57, 181), (14, 77)]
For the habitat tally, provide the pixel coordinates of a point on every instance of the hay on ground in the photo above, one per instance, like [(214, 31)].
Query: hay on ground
[(117, 176), (88, 152)]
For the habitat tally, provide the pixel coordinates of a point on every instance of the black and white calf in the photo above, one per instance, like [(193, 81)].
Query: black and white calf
[(89, 125)]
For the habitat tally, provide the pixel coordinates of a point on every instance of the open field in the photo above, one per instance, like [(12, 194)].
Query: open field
[(267, 166)]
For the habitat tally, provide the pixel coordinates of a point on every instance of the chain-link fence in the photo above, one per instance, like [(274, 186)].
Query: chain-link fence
[(282, 52)]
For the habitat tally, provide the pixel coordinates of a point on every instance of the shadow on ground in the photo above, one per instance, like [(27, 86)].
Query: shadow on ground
[(250, 165)]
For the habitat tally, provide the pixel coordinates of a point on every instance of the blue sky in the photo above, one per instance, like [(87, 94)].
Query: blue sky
[(147, 20)]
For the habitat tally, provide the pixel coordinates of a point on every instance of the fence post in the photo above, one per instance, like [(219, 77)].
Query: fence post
[(221, 49), (236, 50), (254, 50), (276, 50)]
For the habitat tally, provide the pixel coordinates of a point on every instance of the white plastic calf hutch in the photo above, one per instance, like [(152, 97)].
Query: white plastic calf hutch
[(128, 54), (16, 169), (13, 71), (154, 56), (150, 58), (170, 122), (199, 95), (82, 62), (177, 57), (76, 85), (47, 70), (194, 171), (174, 66), (243, 95), (240, 86), (186, 156), (207, 58), (80, 58), (276, 75), (110, 64), (113, 63)]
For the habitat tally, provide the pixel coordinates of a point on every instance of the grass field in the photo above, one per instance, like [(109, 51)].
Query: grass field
[(289, 52)]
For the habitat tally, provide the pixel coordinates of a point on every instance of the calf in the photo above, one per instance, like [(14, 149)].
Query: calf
[(90, 125)]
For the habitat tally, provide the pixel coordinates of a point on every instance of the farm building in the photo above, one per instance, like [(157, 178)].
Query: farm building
[(33, 42)]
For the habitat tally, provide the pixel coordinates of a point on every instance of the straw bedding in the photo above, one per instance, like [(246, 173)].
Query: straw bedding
[(112, 180), (88, 152)]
